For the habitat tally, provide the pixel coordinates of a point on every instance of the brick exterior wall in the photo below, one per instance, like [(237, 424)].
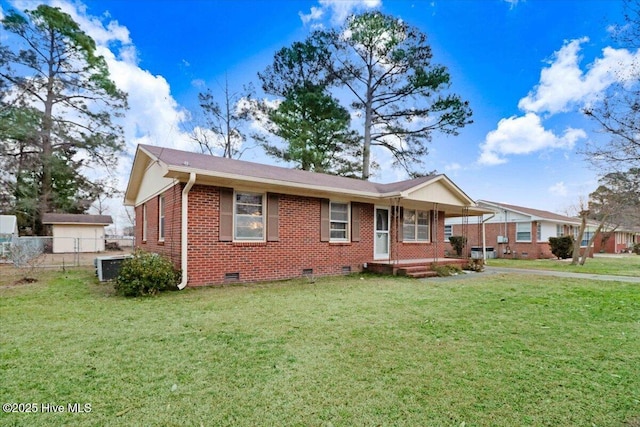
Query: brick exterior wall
[(298, 247), (413, 250), (170, 248), (613, 242), (512, 249)]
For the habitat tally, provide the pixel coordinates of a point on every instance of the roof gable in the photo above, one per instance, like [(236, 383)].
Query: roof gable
[(439, 190)]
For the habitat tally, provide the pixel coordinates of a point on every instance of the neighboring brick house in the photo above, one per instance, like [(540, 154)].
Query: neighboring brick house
[(245, 222), (516, 231), (617, 241)]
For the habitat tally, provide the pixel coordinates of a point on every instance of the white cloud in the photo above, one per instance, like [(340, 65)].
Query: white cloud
[(113, 32), (315, 14), (524, 135), (339, 10), (154, 117), (559, 189), (564, 86), (452, 167)]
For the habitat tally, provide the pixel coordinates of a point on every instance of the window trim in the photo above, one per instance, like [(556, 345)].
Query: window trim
[(415, 224), (518, 224), (586, 236), (263, 216), (446, 239), (347, 230), (161, 218), (145, 223)]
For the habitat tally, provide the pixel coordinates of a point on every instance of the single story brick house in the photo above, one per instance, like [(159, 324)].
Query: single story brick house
[(619, 240), (225, 220), (77, 232), (512, 231)]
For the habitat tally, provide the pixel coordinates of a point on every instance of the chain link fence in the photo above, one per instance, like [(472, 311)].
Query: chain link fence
[(48, 252)]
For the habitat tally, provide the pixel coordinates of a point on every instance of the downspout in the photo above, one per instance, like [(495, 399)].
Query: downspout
[(484, 238), (184, 229)]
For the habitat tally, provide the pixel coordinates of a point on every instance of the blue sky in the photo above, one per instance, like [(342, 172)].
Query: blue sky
[(526, 67)]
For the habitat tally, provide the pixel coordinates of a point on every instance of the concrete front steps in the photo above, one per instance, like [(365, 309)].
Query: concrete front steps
[(413, 268)]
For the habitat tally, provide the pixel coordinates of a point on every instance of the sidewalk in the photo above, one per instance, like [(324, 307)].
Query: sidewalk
[(489, 270), (495, 270)]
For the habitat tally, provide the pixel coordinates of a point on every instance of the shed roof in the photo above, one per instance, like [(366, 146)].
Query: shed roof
[(63, 218)]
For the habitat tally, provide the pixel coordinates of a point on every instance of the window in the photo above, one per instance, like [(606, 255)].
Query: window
[(339, 221), (144, 222), (586, 237), (559, 230), (448, 232), (161, 224), (538, 231), (523, 232), (415, 226), (249, 216)]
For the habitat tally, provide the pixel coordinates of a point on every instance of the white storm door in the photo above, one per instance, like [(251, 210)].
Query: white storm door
[(381, 238)]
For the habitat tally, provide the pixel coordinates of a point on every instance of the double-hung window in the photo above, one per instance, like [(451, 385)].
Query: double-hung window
[(523, 231), (448, 232), (415, 226), (538, 231), (339, 221), (249, 216)]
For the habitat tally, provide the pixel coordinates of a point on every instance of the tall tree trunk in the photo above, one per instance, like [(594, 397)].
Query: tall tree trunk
[(228, 142), (368, 118), (592, 239), (46, 154), (576, 244)]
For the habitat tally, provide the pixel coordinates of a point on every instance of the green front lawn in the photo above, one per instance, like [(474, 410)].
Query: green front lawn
[(625, 265), (503, 350)]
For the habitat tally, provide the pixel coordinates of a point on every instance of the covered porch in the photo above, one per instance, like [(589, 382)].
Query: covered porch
[(409, 230)]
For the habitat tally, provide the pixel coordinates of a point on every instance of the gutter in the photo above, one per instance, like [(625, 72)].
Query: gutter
[(184, 229)]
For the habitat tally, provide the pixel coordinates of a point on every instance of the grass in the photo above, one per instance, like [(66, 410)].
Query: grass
[(627, 265), (499, 350)]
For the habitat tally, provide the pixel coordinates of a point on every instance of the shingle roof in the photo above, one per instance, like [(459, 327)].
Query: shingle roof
[(533, 212), (61, 218), (205, 162)]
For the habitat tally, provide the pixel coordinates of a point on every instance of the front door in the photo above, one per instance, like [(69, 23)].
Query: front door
[(381, 242)]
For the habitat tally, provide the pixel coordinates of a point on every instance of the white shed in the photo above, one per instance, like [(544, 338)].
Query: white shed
[(77, 232), (8, 230)]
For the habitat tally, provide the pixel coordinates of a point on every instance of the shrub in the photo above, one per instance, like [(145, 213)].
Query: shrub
[(458, 243), (446, 270), (562, 247), (636, 249), (146, 273)]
